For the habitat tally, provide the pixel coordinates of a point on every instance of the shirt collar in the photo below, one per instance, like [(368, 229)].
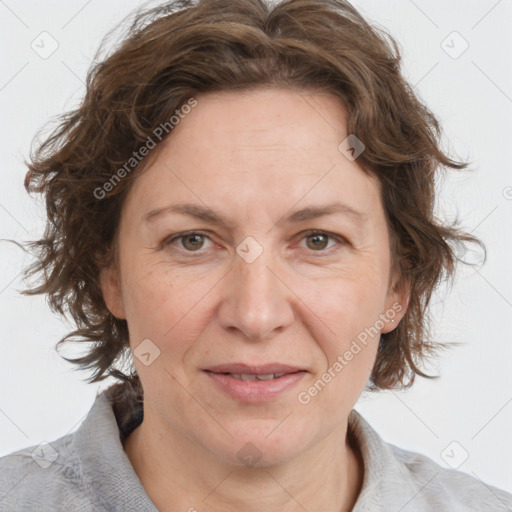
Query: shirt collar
[(106, 469)]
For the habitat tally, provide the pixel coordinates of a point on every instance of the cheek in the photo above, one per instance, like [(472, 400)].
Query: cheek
[(165, 306), (350, 308), (349, 301), (151, 300)]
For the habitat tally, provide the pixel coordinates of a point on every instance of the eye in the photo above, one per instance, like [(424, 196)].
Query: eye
[(317, 241), (190, 242)]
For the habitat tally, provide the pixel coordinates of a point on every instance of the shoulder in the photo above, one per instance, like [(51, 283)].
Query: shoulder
[(43, 477), (399, 479), (444, 489), (84, 471)]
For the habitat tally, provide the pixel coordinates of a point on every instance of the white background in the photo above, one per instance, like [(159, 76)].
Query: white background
[(42, 398)]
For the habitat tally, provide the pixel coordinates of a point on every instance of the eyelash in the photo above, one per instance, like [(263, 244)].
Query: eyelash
[(306, 234)]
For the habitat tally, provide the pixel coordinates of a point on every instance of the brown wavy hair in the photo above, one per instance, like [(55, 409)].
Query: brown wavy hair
[(175, 52)]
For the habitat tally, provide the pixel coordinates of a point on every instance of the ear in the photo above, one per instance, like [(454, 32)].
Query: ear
[(397, 303), (112, 292)]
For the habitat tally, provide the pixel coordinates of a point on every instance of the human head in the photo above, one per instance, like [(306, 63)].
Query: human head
[(170, 56)]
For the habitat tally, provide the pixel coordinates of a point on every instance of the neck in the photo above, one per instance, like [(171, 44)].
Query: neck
[(178, 475)]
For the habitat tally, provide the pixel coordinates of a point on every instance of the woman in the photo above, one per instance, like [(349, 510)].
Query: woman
[(244, 203)]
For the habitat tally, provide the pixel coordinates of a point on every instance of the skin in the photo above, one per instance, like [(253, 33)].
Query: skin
[(252, 157)]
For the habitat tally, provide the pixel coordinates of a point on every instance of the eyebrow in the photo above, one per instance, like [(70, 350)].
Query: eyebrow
[(205, 214)]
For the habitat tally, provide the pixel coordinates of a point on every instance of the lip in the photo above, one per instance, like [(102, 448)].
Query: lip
[(255, 391), (264, 369), (258, 390)]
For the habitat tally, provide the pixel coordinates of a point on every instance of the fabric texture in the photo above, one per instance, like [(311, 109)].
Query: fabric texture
[(88, 470)]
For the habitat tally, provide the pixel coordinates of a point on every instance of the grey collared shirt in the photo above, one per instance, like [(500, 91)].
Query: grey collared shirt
[(88, 470)]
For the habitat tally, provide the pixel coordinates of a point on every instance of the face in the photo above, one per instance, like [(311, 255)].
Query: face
[(265, 285)]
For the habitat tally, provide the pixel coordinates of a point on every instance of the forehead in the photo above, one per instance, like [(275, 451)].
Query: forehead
[(266, 117), (243, 150)]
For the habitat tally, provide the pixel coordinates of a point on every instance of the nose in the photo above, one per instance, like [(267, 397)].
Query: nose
[(256, 301)]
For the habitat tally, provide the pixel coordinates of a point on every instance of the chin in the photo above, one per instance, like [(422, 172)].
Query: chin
[(260, 444)]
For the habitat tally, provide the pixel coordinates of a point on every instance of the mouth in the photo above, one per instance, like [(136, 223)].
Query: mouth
[(248, 377), (247, 383), (263, 370)]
